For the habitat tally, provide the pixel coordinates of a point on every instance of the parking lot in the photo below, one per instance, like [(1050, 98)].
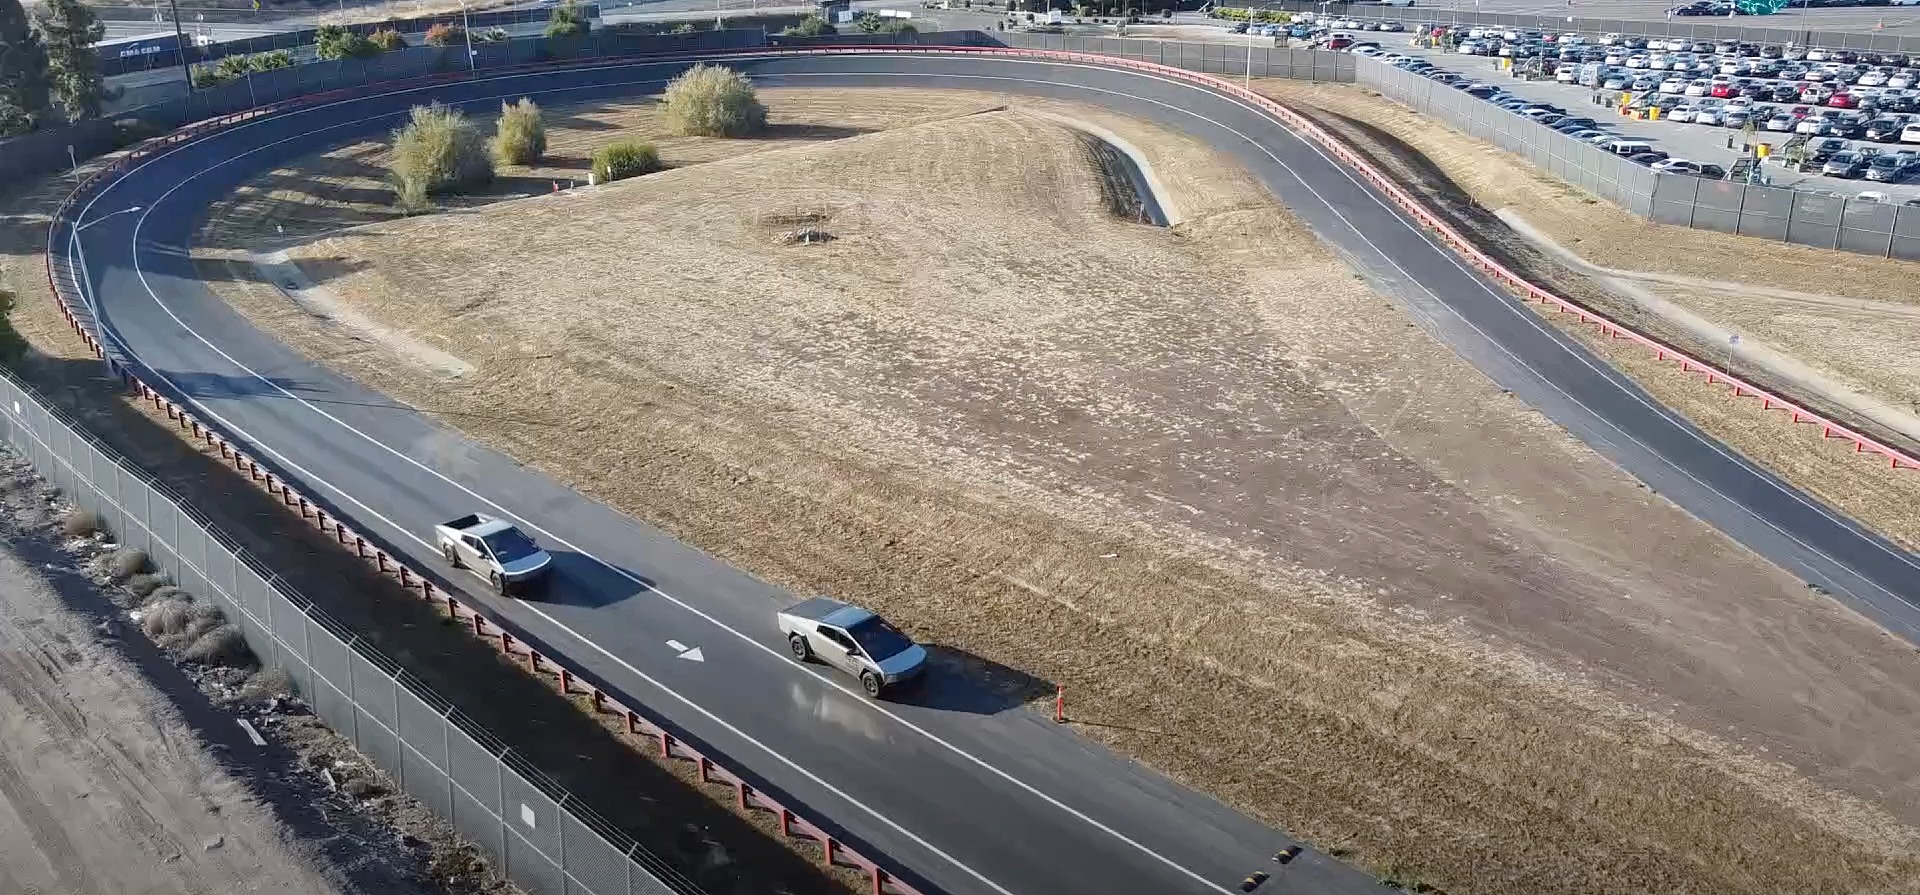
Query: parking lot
[(1826, 121), (1881, 18)]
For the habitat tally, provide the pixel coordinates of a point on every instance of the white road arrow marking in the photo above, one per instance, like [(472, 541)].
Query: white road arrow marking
[(685, 652), (677, 646)]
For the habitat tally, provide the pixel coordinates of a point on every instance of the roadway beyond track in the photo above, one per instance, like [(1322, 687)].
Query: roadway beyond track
[(968, 797)]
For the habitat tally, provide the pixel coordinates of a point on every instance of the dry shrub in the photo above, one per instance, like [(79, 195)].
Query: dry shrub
[(145, 583), (126, 562), (388, 40), (519, 138), (445, 35), (267, 683), (624, 158), (438, 150), (166, 618), (166, 592), (178, 624), (78, 523), (713, 101), (222, 645)]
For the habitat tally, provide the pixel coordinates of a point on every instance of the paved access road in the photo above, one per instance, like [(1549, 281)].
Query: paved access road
[(972, 795)]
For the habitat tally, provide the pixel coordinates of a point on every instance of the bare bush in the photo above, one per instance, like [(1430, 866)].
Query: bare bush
[(166, 618), (713, 101), (78, 523), (145, 583), (126, 562), (221, 646), (437, 151), (519, 138), (267, 683), (167, 592)]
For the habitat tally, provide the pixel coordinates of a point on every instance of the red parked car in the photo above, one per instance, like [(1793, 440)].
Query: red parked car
[(1842, 101), (1799, 112), (1722, 89)]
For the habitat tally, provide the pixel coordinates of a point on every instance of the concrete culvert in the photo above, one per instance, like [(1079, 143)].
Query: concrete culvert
[(125, 563), (221, 646)]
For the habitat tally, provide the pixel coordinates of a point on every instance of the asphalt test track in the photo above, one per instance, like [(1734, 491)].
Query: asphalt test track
[(964, 795)]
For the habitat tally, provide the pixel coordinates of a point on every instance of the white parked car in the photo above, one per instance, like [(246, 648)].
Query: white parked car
[(1638, 60), (1708, 116), (1910, 133), (1673, 86), (1734, 118), (1900, 80), (1676, 166), (1816, 54), (1812, 127), (1682, 114), (1699, 88), (1875, 78)]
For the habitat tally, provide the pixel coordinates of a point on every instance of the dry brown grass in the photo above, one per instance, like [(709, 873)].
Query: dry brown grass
[(1196, 476), (1864, 340)]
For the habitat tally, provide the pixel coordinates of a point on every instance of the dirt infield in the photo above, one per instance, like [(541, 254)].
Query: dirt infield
[(1277, 541)]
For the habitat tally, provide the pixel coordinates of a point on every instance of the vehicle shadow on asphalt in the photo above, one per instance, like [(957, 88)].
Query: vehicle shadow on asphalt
[(959, 681)]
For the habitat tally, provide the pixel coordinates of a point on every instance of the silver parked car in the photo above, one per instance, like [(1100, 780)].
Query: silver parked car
[(853, 640)]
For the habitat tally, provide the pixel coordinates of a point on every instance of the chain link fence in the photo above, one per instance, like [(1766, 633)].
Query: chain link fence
[(1811, 219), (300, 41), (1211, 58), (533, 830)]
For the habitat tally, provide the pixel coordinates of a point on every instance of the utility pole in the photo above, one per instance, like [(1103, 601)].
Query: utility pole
[(181, 36)]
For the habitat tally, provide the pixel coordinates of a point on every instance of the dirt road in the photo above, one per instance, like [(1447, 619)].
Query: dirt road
[(105, 786)]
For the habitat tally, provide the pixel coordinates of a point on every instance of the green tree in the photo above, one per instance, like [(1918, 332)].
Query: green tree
[(69, 31), (23, 72), (811, 26), (566, 21), (336, 42)]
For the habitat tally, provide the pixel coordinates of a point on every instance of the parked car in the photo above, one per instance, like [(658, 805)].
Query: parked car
[(1891, 168), (1844, 164), (495, 550), (853, 640)]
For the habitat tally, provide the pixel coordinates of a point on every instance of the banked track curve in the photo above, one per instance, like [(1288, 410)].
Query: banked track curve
[(956, 802)]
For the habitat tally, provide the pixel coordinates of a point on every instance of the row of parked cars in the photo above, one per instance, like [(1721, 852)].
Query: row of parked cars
[(1864, 107), (1633, 149)]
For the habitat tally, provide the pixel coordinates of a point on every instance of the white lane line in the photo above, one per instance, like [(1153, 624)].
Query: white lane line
[(307, 475)]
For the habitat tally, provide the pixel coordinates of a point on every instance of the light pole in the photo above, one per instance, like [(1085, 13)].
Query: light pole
[(180, 45), (466, 30), (85, 280)]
